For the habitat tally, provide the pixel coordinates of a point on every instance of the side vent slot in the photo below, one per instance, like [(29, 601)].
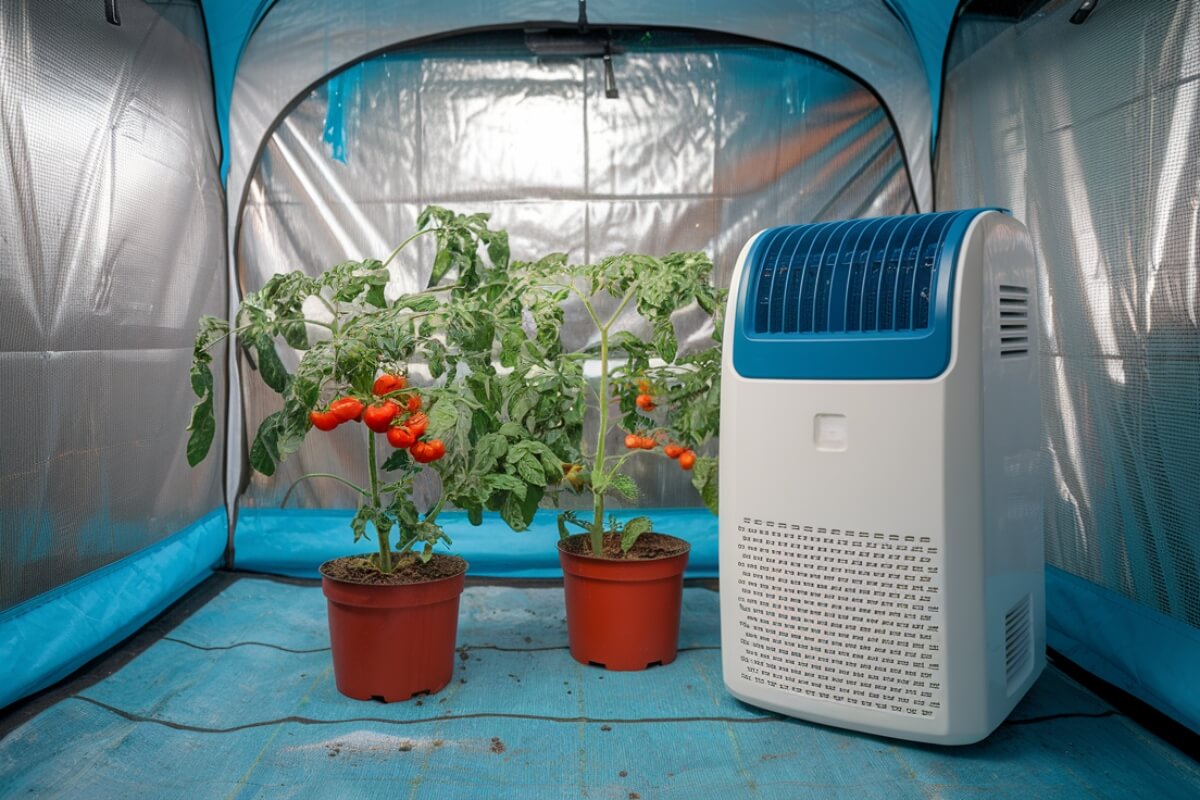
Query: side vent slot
[(1018, 643), (1014, 321)]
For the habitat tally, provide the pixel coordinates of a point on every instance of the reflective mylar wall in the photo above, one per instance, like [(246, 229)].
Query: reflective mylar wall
[(709, 141), (1091, 135), (111, 246)]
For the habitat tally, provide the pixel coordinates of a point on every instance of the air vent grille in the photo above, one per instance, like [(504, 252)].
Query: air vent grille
[(872, 275), (843, 616), (1014, 321), (1018, 643)]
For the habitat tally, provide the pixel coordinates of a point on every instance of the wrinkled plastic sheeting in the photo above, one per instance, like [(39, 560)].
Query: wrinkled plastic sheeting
[(301, 41), (1091, 135), (112, 243), (708, 143)]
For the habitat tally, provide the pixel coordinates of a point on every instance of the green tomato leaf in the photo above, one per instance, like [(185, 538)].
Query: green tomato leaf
[(441, 265), (512, 430), (665, 341), (704, 478), (623, 485), (513, 514), (531, 470), (203, 427), (633, 529), (498, 249), (264, 452), (274, 374), (358, 523), (398, 459), (502, 482), (442, 418), (489, 450)]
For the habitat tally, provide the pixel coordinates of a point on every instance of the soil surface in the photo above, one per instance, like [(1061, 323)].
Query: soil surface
[(406, 569), (648, 546)]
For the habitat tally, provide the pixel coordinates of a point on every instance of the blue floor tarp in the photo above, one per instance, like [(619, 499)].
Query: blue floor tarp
[(239, 701)]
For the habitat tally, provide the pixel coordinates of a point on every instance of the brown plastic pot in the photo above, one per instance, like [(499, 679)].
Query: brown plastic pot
[(392, 642), (623, 615)]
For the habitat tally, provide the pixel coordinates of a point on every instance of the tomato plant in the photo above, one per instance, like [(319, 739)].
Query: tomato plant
[(491, 443), (668, 400)]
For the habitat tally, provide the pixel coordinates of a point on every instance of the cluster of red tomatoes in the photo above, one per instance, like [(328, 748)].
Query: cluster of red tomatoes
[(400, 418), (645, 401)]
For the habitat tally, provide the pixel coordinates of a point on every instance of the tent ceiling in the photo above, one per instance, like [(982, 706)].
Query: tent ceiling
[(231, 22), (301, 41)]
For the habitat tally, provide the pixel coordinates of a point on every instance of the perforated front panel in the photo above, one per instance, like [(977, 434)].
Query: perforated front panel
[(845, 616)]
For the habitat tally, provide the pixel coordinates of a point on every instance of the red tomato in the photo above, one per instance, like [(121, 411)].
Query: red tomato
[(424, 452), (346, 408), (633, 442), (324, 420), (400, 437), (418, 423), (687, 460), (378, 416), (673, 451), (414, 403), (386, 384), (645, 402)]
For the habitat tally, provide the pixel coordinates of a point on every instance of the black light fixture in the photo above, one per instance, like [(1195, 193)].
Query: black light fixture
[(610, 79), (1083, 12)]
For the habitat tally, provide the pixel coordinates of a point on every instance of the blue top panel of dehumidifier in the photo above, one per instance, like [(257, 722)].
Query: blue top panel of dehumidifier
[(857, 300)]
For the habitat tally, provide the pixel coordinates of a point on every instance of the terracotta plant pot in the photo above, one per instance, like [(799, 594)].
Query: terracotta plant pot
[(623, 614), (392, 642)]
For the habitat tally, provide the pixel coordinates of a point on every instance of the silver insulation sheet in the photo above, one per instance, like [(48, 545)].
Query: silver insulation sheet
[(111, 247), (1091, 135), (707, 143)]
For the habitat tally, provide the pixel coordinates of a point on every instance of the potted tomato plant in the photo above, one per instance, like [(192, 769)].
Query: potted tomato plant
[(393, 614), (623, 581)]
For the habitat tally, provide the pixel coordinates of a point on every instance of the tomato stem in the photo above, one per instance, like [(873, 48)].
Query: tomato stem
[(404, 244), (330, 475), (597, 532), (385, 550)]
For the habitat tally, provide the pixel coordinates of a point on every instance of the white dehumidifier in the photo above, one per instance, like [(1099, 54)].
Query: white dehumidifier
[(881, 511)]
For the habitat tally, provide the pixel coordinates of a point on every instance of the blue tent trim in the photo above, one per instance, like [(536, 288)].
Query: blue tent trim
[(1152, 656), (295, 542), (47, 638)]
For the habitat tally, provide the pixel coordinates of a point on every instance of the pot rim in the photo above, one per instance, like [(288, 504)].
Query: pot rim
[(602, 560), (390, 586)]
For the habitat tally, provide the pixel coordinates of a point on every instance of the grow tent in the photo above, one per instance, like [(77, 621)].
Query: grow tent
[(157, 168)]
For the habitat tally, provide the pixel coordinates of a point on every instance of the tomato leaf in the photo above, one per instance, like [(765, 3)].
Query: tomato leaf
[(264, 452), (634, 529), (513, 514), (441, 265), (398, 459), (623, 485), (704, 478), (489, 450), (203, 428), (358, 523), (274, 374)]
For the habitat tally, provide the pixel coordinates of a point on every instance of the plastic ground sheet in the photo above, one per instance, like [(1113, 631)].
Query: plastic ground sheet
[(238, 700)]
